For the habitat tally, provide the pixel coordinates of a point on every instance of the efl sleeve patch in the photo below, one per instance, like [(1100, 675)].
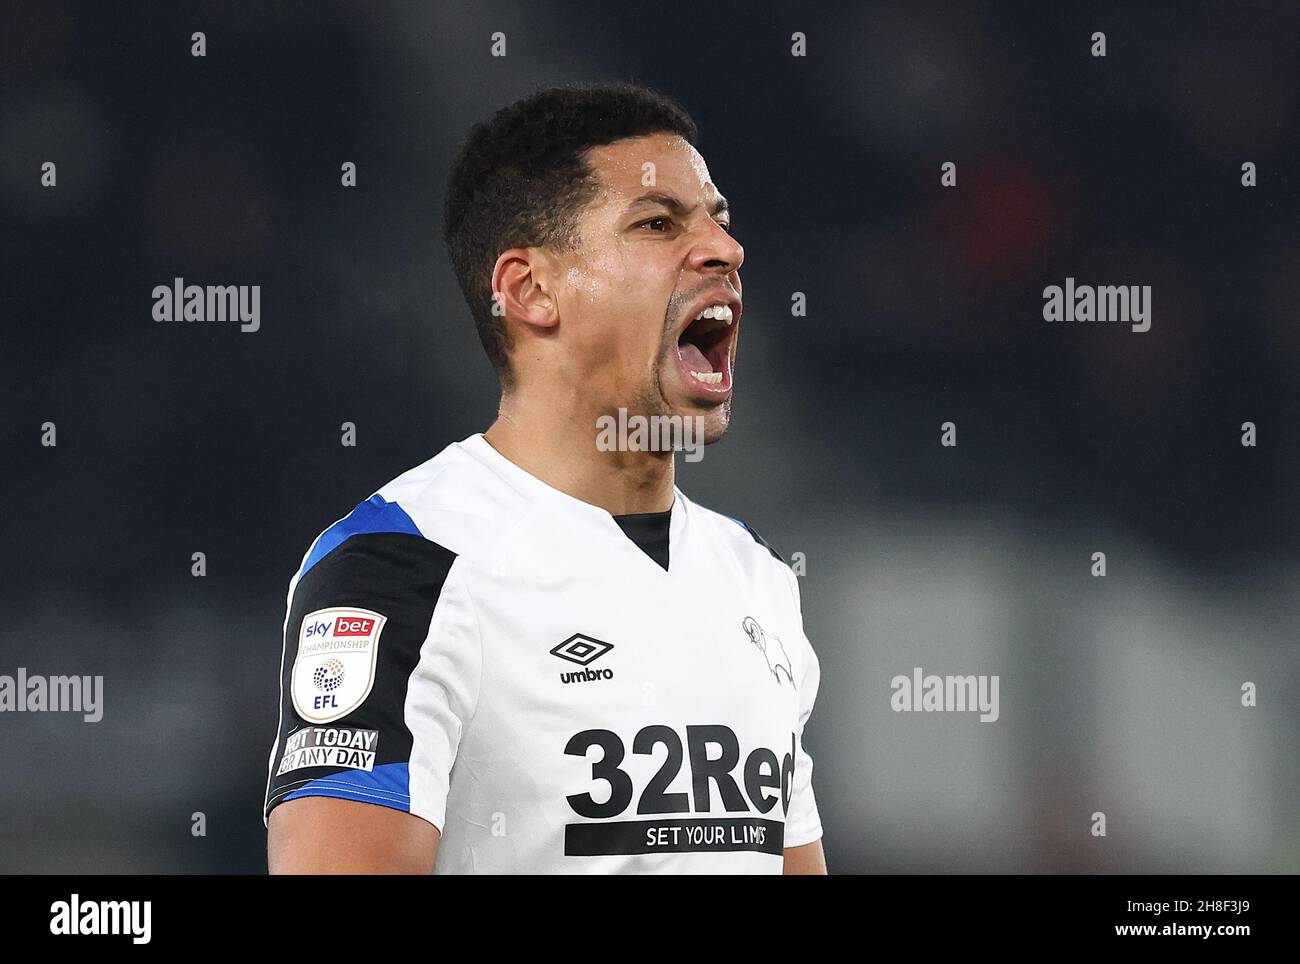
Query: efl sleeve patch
[(357, 622), (335, 670)]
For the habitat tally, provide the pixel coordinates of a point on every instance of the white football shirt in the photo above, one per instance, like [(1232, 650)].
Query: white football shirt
[(556, 689)]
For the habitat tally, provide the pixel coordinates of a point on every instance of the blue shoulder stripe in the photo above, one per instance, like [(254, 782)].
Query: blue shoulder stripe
[(376, 514), (388, 784)]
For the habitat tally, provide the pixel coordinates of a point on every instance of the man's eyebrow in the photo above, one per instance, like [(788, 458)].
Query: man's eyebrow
[(672, 204)]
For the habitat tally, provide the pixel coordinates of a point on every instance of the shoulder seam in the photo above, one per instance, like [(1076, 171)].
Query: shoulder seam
[(757, 538)]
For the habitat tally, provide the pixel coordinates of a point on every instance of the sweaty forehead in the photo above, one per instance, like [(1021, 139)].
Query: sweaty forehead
[(678, 166)]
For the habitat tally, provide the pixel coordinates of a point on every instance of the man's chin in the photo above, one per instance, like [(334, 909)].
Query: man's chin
[(709, 422), (716, 424), (709, 415)]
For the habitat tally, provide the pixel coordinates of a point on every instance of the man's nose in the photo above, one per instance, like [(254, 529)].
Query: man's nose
[(716, 251)]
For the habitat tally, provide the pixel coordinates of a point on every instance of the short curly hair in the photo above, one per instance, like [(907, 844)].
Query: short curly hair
[(522, 180)]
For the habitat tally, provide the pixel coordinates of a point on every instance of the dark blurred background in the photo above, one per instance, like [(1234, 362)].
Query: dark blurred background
[(1119, 694)]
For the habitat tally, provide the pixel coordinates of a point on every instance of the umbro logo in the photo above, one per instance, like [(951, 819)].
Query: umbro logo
[(582, 649), (773, 650)]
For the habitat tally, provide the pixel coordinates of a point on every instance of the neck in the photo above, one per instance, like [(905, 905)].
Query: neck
[(557, 444)]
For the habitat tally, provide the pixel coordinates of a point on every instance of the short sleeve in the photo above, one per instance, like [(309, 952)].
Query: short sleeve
[(379, 672), (802, 822)]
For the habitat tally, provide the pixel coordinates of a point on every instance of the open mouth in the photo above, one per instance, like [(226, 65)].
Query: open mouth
[(704, 349)]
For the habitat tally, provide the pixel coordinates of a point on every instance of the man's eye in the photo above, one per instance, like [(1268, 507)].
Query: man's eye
[(656, 221), (725, 225)]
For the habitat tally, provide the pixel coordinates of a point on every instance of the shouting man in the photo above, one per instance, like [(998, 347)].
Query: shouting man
[(532, 653)]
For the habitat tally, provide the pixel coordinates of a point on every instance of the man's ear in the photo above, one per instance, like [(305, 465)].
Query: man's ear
[(522, 289)]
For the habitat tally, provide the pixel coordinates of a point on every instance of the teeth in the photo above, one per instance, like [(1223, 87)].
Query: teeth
[(709, 378), (719, 312)]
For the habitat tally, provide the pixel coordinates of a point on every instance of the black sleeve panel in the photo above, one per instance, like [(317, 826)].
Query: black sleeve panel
[(357, 621)]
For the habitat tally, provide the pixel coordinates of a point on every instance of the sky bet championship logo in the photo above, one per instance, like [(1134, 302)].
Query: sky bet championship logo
[(335, 668)]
